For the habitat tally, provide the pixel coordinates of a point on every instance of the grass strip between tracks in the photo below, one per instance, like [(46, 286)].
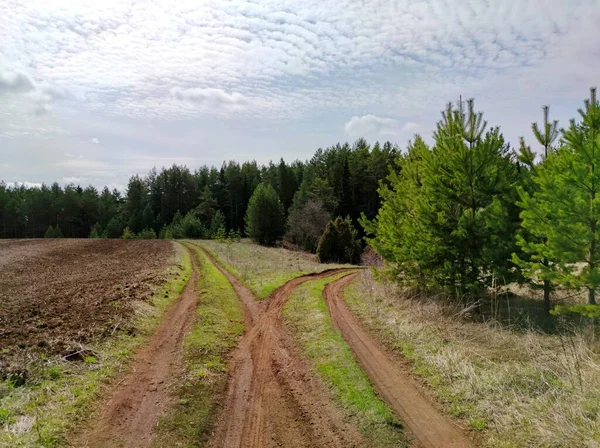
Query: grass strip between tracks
[(262, 269), (323, 345), (59, 394), (219, 324)]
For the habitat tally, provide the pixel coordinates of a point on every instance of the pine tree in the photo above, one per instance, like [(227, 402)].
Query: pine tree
[(563, 211), (532, 246), (264, 218)]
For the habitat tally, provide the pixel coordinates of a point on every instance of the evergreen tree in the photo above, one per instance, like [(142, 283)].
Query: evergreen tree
[(339, 243), (264, 218), (450, 219), (562, 214), (532, 246)]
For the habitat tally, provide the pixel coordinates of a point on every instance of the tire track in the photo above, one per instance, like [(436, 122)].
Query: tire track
[(274, 398), (429, 427)]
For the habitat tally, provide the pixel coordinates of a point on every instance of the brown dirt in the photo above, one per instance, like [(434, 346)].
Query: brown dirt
[(55, 294), (429, 427), (129, 415), (274, 398)]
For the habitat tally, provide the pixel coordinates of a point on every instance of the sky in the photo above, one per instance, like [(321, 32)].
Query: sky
[(92, 92)]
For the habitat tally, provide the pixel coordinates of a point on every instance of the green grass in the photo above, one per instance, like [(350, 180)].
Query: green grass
[(218, 326), (59, 394), (262, 269), (323, 345), (511, 388)]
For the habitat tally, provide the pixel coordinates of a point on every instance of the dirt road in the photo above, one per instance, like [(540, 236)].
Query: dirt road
[(274, 398), (128, 417), (429, 427)]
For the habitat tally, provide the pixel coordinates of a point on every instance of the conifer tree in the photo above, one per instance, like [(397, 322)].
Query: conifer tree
[(264, 217), (530, 245), (564, 209)]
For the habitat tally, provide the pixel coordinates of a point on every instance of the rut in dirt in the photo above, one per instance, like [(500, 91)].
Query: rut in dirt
[(428, 426), (274, 399), (130, 413)]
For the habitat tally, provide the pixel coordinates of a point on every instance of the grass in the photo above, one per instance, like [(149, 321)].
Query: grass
[(58, 394), (219, 323), (514, 388), (262, 269), (332, 358)]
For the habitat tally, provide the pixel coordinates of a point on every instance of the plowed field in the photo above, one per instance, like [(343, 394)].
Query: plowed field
[(57, 294)]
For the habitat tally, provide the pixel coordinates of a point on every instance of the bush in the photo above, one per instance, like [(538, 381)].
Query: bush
[(166, 233), (339, 243), (127, 234), (114, 228), (96, 231), (53, 232), (146, 234), (191, 227)]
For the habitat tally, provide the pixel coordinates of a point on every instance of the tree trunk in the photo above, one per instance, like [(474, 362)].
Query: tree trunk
[(591, 296), (547, 288)]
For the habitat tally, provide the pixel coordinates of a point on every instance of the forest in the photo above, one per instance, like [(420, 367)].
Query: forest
[(465, 214)]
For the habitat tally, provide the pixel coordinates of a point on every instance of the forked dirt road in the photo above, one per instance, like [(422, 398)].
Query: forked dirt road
[(128, 417), (428, 426), (274, 398)]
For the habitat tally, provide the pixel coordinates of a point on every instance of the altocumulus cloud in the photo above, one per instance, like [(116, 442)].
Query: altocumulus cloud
[(369, 125), (161, 80), (213, 99)]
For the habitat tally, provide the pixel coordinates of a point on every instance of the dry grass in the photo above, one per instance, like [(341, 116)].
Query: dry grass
[(263, 269), (518, 388)]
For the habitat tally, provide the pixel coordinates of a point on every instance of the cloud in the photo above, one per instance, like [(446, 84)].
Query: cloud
[(369, 125), (24, 184), (211, 98), (138, 75), (411, 127), (94, 140), (15, 83)]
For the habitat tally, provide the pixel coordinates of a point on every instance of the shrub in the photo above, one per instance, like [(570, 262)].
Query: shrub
[(146, 234), (96, 231), (339, 243), (192, 227), (127, 234), (53, 232)]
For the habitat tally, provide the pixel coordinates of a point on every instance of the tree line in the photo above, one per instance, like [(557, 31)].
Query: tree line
[(462, 215), (469, 212), (176, 202)]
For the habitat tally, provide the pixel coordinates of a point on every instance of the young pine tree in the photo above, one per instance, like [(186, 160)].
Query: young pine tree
[(265, 217), (531, 246), (563, 212)]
